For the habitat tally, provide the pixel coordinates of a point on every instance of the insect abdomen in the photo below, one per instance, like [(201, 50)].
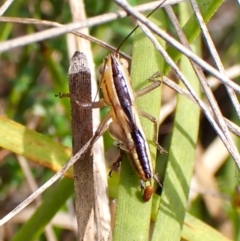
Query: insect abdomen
[(142, 160)]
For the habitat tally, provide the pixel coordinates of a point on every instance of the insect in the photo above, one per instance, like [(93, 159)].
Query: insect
[(125, 126)]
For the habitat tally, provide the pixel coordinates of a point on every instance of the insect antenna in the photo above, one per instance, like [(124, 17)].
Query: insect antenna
[(125, 39)]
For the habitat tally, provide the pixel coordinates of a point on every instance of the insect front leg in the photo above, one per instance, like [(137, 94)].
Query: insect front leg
[(93, 105), (155, 83)]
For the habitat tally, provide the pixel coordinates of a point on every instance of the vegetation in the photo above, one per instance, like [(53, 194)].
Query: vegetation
[(35, 127)]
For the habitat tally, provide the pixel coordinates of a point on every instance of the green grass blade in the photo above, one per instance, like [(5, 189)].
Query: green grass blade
[(178, 175), (196, 230), (193, 229), (34, 146), (133, 215)]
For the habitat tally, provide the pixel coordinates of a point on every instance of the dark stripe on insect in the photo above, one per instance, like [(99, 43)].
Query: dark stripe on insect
[(122, 92), (140, 146), (126, 104)]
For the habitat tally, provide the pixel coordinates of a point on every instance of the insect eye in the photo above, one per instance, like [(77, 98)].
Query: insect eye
[(124, 63), (102, 69)]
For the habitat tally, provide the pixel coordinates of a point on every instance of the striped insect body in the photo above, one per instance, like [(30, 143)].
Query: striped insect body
[(125, 126)]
